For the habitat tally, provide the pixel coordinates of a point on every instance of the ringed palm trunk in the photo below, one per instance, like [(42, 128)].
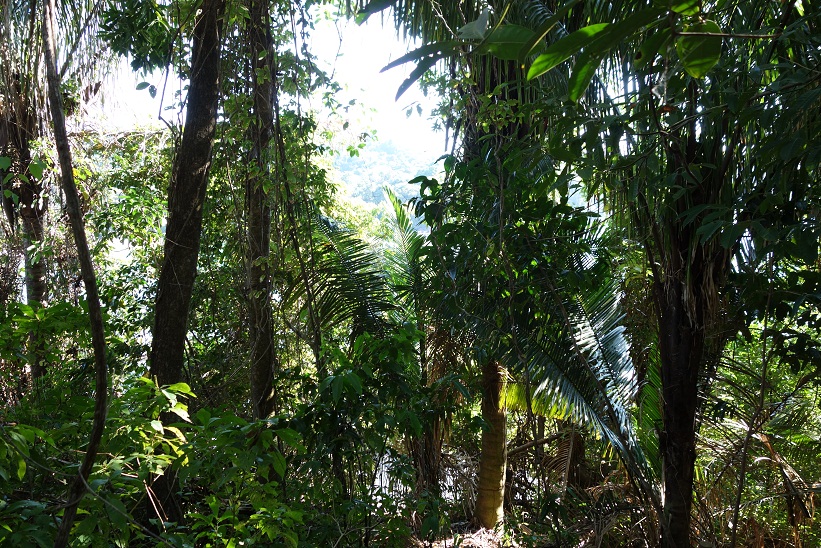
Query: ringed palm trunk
[(493, 460)]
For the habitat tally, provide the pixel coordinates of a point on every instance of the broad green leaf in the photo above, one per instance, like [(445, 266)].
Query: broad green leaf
[(806, 245), (289, 436), (5, 162), (560, 51), (583, 72), (142, 85), (36, 168), (157, 425), (475, 30), (336, 388), (181, 410), (651, 46), (625, 29), (506, 41), (545, 27), (612, 36), (686, 7), (278, 462), (21, 468), (375, 6), (117, 512), (352, 380), (423, 66), (437, 49), (182, 388), (700, 53)]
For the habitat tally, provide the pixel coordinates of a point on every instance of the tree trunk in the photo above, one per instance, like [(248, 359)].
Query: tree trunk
[(264, 360), (185, 201), (680, 349), (72, 200), (493, 460), (182, 236), (33, 208)]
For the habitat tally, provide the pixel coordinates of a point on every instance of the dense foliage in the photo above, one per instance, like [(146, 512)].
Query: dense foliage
[(594, 323)]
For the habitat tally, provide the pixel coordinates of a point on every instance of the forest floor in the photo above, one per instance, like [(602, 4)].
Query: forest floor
[(483, 538)]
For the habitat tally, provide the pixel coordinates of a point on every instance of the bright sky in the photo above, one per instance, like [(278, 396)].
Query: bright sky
[(355, 62), (363, 51)]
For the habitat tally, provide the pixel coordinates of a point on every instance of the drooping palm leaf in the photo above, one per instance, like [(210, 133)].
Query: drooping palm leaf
[(349, 286)]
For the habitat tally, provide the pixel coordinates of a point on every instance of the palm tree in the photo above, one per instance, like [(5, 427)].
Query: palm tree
[(686, 172), (462, 33)]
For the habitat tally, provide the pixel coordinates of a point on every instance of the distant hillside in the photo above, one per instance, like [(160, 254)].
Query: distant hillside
[(382, 163)]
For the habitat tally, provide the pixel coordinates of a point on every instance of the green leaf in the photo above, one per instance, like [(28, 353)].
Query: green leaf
[(5, 162), (374, 6), (289, 436), (352, 380), (157, 425), (21, 468), (506, 41), (182, 388), (699, 54), (544, 28), (653, 45), (142, 85), (475, 30), (336, 388), (278, 462), (437, 49), (423, 66), (583, 73), (806, 246), (181, 410), (686, 7), (560, 51), (36, 168)]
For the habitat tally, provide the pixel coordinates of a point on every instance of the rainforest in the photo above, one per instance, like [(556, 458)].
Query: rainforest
[(591, 320)]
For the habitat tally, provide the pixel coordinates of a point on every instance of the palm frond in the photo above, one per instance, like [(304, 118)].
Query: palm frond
[(349, 286)]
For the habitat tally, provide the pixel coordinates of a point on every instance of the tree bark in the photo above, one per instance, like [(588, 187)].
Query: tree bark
[(264, 359), (679, 349), (493, 460), (182, 236), (72, 201), (186, 197)]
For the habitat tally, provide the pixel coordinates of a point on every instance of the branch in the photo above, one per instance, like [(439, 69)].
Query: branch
[(528, 445)]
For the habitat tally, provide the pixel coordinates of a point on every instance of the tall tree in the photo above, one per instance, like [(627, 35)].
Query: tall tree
[(696, 148), (264, 359), (186, 196), (78, 487), (23, 108)]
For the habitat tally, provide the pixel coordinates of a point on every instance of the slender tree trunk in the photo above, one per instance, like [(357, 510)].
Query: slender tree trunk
[(186, 197), (493, 460), (182, 237), (264, 360), (87, 270), (33, 208)]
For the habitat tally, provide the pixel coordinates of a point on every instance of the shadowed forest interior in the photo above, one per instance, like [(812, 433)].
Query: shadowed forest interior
[(591, 320)]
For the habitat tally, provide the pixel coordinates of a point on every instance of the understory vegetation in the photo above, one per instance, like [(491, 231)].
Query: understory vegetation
[(593, 322)]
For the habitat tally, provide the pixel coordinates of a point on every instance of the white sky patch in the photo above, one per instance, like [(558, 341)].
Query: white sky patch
[(354, 55), (363, 52)]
